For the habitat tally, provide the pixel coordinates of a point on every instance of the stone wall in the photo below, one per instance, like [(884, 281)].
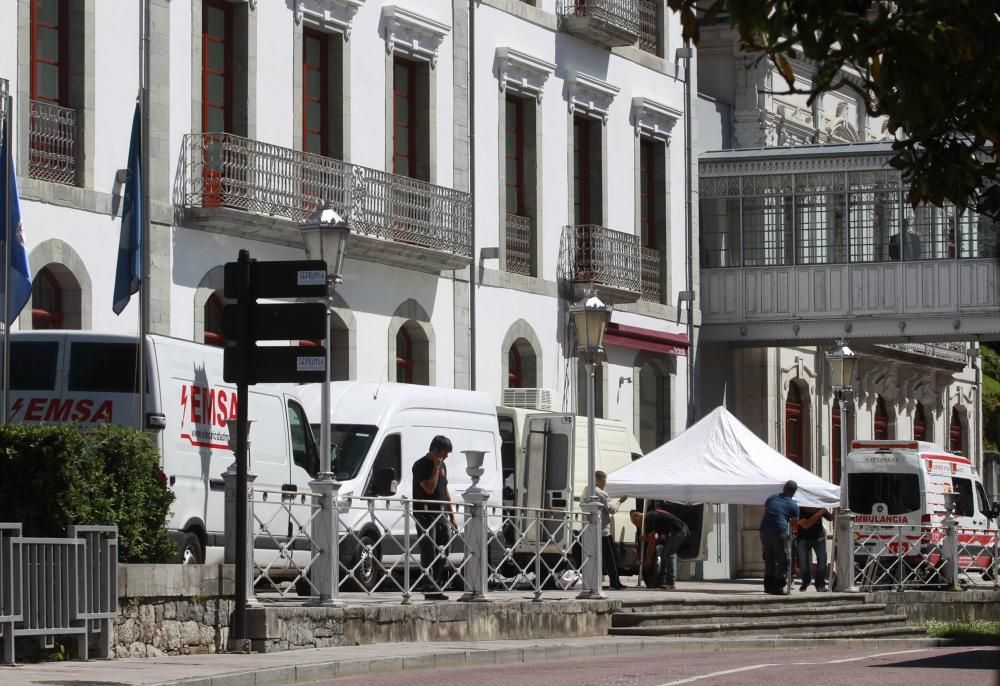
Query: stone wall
[(172, 609), (945, 606)]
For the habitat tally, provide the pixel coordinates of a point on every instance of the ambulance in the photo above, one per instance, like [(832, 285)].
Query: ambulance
[(89, 378), (912, 483)]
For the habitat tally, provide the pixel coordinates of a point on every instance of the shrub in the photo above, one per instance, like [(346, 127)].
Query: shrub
[(54, 476)]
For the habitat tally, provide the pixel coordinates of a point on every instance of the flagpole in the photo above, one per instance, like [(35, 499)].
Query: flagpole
[(7, 154), (144, 224)]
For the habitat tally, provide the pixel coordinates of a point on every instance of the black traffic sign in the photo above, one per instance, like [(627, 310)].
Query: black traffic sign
[(278, 322), (278, 364), (283, 279)]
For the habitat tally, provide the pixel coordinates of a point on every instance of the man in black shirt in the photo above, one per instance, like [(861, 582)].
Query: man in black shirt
[(669, 531), (430, 483), (811, 537)]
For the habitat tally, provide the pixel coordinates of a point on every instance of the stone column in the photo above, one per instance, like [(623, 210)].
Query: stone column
[(477, 545), (325, 571)]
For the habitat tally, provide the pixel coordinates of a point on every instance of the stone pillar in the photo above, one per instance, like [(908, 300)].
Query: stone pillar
[(229, 549), (325, 571), (844, 550), (591, 544), (950, 550), (477, 545)]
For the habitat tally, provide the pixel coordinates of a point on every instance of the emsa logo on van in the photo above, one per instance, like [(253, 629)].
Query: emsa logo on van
[(61, 410), (207, 409)]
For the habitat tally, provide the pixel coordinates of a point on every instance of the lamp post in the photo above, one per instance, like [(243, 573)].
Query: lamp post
[(843, 365), (325, 235), (590, 319)]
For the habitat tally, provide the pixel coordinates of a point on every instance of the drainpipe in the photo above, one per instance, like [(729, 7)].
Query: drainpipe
[(472, 192), (686, 53)]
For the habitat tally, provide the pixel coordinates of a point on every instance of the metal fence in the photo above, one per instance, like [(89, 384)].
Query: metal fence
[(652, 279), (907, 557), (520, 238), (52, 140), (623, 14), (58, 587), (396, 545), (592, 253), (226, 171)]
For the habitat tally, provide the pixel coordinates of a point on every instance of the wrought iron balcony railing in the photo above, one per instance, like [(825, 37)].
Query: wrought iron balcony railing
[(649, 27), (519, 245), (222, 170), (608, 23), (604, 257), (652, 270), (52, 139), (952, 351)]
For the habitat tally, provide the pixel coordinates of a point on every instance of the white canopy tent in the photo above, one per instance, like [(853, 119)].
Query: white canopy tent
[(718, 460)]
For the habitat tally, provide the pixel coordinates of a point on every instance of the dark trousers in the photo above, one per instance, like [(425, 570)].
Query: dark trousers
[(434, 531), (806, 547), (609, 560), (671, 544), (774, 544)]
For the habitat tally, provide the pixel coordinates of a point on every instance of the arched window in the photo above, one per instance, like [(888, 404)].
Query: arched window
[(213, 321), (955, 433), (46, 301), (794, 426), (514, 377), (522, 366), (654, 406), (880, 430), (919, 423), (404, 356), (835, 419)]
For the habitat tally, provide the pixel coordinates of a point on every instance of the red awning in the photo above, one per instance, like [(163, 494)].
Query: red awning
[(646, 339)]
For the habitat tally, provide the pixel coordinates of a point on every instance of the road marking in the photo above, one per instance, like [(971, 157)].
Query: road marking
[(786, 664)]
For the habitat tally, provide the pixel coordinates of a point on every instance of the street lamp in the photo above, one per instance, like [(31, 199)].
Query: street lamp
[(325, 235), (590, 319), (843, 364)]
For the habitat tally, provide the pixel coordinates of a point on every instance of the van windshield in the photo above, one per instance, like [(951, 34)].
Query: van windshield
[(349, 444), (891, 494)]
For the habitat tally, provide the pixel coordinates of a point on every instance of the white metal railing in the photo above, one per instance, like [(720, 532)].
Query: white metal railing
[(395, 545), (592, 253), (622, 14), (519, 245), (58, 586), (903, 556), (954, 351), (52, 139), (221, 170), (652, 279)]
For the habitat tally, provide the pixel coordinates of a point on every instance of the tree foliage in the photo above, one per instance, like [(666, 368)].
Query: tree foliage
[(932, 67)]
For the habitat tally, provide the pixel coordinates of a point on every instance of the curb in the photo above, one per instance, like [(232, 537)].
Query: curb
[(301, 674)]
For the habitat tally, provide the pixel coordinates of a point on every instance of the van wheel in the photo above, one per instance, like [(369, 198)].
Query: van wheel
[(192, 552), (367, 564)]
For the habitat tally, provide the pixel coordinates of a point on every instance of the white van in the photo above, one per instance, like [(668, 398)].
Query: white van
[(378, 430), (90, 378), (907, 482)]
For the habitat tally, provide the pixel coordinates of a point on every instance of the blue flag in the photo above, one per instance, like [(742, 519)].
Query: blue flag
[(128, 274), (10, 213)]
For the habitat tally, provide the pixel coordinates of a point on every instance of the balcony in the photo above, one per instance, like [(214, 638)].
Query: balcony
[(951, 353), (652, 275), (520, 238), (608, 260), (52, 139), (608, 23), (649, 27), (246, 188)]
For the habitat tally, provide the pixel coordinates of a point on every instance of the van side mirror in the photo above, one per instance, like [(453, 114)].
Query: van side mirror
[(384, 481)]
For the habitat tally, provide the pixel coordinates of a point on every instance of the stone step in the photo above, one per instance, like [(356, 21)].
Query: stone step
[(802, 600), (801, 625), (894, 631), (726, 615)]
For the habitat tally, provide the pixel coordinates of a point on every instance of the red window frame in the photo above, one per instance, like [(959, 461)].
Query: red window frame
[(880, 428), (206, 70), (404, 163), (46, 302), (919, 423), (647, 192), (835, 419), (581, 170), (404, 356), (213, 321), (794, 426), (515, 374), (322, 69), (61, 63), (514, 154), (955, 432)]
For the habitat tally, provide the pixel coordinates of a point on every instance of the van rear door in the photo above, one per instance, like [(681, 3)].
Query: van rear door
[(548, 472)]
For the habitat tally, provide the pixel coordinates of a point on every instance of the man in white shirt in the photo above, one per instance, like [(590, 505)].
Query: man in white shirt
[(608, 508)]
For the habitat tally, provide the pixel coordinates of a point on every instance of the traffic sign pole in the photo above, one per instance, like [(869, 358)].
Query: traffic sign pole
[(243, 343)]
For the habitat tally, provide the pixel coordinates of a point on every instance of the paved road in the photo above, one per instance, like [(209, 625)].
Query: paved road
[(822, 667)]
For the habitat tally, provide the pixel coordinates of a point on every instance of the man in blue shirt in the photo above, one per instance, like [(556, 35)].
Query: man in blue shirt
[(780, 513)]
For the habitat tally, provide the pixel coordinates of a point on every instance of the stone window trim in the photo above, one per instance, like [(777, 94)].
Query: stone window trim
[(519, 330), (412, 35), (411, 312), (329, 16), (666, 367), (653, 119), (55, 252), (589, 96), (522, 73)]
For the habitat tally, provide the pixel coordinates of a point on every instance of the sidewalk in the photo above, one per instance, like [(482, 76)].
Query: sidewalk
[(301, 666)]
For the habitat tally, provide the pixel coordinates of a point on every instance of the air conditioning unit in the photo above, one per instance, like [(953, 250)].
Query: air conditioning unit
[(528, 398)]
